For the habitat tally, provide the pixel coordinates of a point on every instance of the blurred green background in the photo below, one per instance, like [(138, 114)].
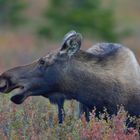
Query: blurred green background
[(31, 28)]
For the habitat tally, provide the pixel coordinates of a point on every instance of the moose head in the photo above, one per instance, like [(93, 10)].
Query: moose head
[(43, 76)]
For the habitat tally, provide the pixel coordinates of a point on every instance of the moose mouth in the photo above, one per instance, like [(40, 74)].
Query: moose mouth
[(19, 96)]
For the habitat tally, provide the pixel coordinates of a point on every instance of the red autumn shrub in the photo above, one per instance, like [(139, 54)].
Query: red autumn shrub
[(106, 128), (37, 120)]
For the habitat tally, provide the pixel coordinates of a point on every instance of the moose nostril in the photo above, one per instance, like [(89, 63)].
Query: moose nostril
[(3, 83)]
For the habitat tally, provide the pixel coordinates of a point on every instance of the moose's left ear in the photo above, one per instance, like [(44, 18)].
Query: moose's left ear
[(71, 44)]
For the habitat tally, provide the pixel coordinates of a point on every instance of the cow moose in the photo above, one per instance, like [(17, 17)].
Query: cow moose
[(106, 75)]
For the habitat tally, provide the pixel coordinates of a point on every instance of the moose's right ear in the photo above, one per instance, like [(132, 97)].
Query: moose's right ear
[(71, 43)]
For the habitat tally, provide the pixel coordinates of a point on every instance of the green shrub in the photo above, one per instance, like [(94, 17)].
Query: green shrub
[(11, 12), (87, 16)]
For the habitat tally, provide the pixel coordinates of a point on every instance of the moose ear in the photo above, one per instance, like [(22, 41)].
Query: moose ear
[(71, 43)]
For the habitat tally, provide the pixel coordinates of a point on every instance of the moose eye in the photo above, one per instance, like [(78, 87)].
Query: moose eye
[(41, 61)]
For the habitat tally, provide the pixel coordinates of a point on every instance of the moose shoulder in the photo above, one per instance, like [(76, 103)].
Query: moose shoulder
[(106, 75)]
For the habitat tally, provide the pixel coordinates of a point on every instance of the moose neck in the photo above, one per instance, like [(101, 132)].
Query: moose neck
[(81, 81)]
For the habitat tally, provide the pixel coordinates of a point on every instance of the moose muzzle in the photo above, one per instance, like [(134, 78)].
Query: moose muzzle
[(6, 86)]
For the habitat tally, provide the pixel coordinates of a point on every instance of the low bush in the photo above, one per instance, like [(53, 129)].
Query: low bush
[(36, 119)]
